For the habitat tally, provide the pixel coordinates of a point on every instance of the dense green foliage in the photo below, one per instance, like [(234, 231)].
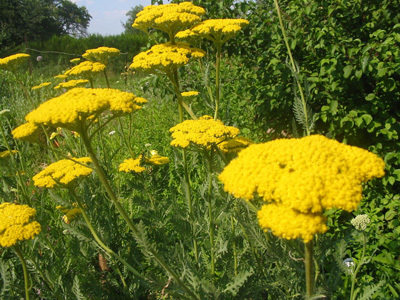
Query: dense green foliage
[(38, 20), (349, 66)]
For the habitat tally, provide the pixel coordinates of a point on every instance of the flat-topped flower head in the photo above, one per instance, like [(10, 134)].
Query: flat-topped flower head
[(189, 94), (16, 224), (72, 109), (132, 165), (63, 173), (308, 174), (7, 153), (169, 18), (215, 30), (101, 54), (156, 159), (235, 145), (361, 222), (12, 62), (203, 132), (75, 61), (86, 69), (72, 84), (165, 58), (28, 132), (289, 223), (42, 85)]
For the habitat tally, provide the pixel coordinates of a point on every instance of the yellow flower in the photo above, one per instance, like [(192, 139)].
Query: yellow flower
[(169, 18), (215, 30), (290, 224), (40, 85), (75, 60), (235, 145), (63, 173), (156, 159), (165, 57), (16, 224), (12, 62), (28, 132), (203, 132), (132, 165), (189, 94), (101, 54), (70, 214), (72, 83), (86, 69), (71, 109), (60, 76), (7, 153), (307, 175)]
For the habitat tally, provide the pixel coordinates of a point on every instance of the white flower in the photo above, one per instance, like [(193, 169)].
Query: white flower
[(360, 222), (111, 132)]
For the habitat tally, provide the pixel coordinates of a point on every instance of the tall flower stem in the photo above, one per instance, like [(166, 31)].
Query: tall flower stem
[(209, 157), (25, 270), (309, 249), (359, 264), (104, 181), (294, 67), (106, 76), (175, 82), (217, 79), (97, 238)]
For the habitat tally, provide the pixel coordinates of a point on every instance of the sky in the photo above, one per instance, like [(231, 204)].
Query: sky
[(107, 15)]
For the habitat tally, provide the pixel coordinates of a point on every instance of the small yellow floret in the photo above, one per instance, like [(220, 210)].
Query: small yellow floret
[(16, 224)]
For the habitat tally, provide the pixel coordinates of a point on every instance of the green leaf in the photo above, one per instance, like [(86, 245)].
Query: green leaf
[(370, 97), (359, 73), (347, 71), (367, 118)]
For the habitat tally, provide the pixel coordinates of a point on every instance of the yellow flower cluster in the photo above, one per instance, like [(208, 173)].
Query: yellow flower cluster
[(63, 172), (75, 60), (27, 132), (11, 62), (70, 214), (72, 83), (86, 69), (16, 224), (235, 145), (215, 30), (101, 54), (189, 94), (37, 87), (71, 109), (138, 165), (132, 165), (169, 18), (307, 175), (165, 57), (203, 132), (7, 153)]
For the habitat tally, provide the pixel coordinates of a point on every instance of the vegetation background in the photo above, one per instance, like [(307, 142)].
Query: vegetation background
[(349, 61)]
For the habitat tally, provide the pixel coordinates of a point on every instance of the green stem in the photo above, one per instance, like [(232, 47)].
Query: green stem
[(235, 260), (309, 268), (104, 181), (107, 81), (25, 270), (359, 264), (210, 210), (217, 80), (295, 70)]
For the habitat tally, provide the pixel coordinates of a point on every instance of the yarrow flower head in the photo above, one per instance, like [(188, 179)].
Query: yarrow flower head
[(189, 94), (235, 145), (63, 173), (86, 69), (165, 58), (72, 109), (101, 54), (203, 132), (7, 153), (72, 84), (360, 222), (216, 30), (12, 62), (138, 165), (75, 60), (69, 213), (307, 175), (16, 224), (169, 18), (37, 87), (28, 132)]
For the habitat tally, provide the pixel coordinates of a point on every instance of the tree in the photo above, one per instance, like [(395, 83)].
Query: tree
[(38, 20), (131, 18)]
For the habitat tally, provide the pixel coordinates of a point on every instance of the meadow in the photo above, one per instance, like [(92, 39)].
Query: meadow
[(227, 155)]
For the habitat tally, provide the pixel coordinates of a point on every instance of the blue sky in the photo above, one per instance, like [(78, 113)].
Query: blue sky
[(107, 15)]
